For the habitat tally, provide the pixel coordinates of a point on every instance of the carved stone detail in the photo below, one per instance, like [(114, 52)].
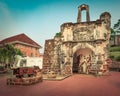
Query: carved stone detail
[(82, 46)]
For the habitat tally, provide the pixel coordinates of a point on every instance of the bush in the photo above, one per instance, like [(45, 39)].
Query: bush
[(111, 57), (114, 49), (114, 55), (58, 34), (117, 58)]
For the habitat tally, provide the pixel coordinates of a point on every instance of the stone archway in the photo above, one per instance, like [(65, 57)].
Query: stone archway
[(77, 38), (82, 58)]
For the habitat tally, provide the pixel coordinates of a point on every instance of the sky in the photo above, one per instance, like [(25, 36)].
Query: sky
[(41, 19)]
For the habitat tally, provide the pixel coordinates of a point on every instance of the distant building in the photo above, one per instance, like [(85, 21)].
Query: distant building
[(24, 43), (115, 41)]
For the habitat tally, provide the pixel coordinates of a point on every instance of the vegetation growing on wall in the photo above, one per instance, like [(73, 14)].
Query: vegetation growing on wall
[(58, 34)]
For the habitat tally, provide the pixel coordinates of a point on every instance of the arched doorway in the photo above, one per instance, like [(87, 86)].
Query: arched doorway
[(82, 60)]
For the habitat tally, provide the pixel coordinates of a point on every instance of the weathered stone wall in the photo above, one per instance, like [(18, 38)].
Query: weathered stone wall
[(48, 54), (82, 46), (93, 35)]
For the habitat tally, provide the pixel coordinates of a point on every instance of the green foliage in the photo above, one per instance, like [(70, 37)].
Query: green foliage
[(115, 28), (117, 58), (112, 57), (112, 31), (7, 54), (115, 53), (114, 49), (58, 34), (117, 25), (112, 36)]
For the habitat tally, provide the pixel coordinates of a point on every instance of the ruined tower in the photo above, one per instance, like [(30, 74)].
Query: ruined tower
[(81, 47), (80, 9)]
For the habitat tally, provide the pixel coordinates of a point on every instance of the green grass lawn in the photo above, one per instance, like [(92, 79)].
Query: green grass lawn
[(115, 53), (115, 49)]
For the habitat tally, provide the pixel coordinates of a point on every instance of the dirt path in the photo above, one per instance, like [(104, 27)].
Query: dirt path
[(76, 85)]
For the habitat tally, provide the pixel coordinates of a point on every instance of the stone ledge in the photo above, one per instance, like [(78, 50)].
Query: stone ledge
[(58, 78)]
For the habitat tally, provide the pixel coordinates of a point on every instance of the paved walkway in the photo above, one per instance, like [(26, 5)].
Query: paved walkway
[(76, 85)]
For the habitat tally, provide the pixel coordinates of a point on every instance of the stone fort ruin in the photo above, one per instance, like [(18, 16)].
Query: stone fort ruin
[(80, 47)]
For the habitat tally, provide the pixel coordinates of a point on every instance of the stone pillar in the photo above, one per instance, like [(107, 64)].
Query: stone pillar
[(80, 9), (79, 15), (87, 14)]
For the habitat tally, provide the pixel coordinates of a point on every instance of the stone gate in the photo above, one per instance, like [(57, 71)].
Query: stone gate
[(80, 47)]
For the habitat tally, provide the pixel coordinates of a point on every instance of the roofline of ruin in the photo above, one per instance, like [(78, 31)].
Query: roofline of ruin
[(82, 23)]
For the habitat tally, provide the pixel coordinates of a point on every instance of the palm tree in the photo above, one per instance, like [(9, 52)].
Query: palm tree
[(117, 25)]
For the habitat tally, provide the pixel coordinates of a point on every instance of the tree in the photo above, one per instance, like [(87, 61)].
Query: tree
[(58, 34), (7, 55), (117, 25), (112, 36), (114, 30), (1, 56)]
